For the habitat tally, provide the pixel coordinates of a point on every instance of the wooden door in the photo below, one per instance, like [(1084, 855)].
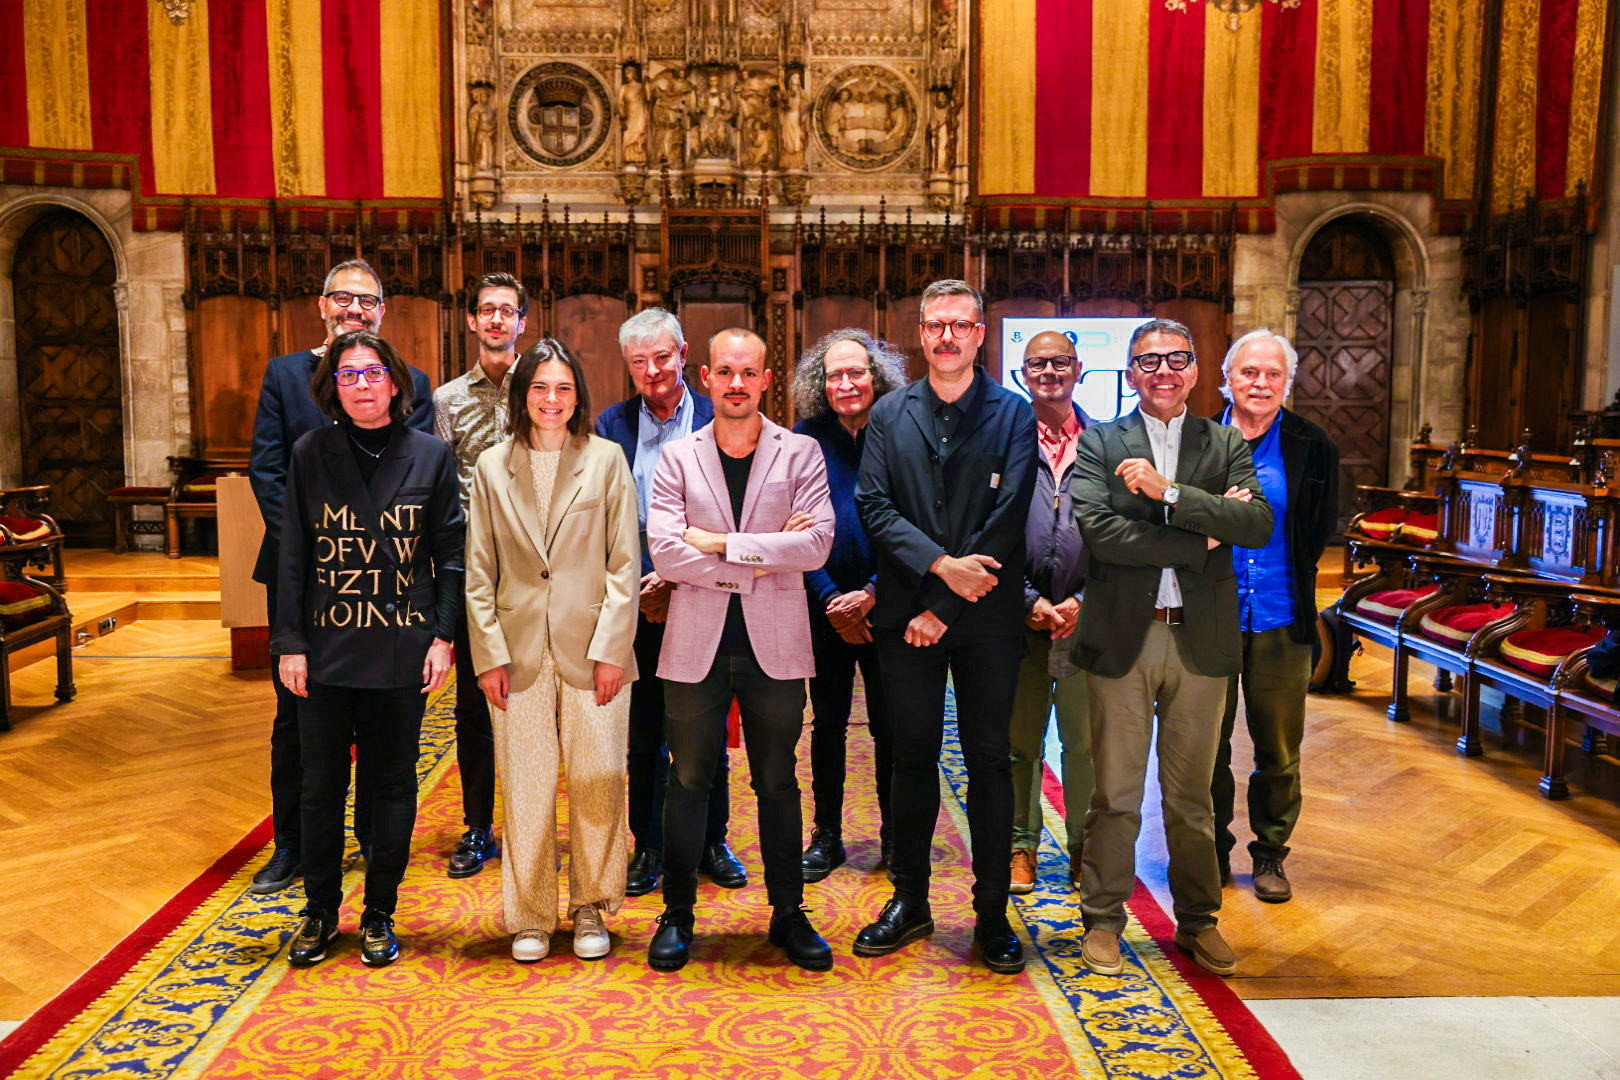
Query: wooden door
[(68, 377), (1344, 338)]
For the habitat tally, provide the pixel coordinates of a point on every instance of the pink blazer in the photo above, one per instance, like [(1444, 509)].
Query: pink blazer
[(789, 474)]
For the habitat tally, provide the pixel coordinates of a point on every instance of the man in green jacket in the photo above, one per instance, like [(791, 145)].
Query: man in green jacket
[(1157, 494)]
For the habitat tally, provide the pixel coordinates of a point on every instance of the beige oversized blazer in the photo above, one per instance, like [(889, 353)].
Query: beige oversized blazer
[(577, 586)]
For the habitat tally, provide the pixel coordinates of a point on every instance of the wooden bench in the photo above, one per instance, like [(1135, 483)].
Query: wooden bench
[(124, 500), (193, 493)]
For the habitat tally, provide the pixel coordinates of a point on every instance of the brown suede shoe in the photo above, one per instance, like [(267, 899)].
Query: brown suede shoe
[(1270, 883), (1023, 872), (1100, 952), (1208, 949)]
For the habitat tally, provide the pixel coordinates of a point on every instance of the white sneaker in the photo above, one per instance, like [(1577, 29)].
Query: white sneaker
[(531, 945), (591, 941)]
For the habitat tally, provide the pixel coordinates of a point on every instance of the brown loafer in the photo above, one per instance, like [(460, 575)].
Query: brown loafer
[(1208, 949), (1100, 952), (1270, 883), (1022, 874)]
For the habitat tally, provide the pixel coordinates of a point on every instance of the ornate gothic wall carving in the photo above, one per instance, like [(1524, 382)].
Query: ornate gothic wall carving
[(824, 103)]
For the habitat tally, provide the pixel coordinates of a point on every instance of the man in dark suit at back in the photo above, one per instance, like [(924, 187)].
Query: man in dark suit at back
[(1158, 493), (944, 490), (663, 408), (351, 299)]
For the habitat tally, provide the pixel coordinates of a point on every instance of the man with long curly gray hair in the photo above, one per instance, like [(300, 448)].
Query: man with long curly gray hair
[(836, 382)]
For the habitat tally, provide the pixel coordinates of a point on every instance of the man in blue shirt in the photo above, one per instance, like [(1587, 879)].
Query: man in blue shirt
[(662, 409), (1298, 468)]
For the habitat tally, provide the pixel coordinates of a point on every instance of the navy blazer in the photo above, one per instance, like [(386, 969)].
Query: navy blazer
[(917, 506), (287, 412), (369, 574), (621, 423)]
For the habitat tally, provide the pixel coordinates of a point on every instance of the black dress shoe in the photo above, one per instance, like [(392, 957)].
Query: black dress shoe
[(315, 935), (999, 947), (475, 848), (280, 872), (900, 921), (378, 945), (671, 945), (646, 867), (825, 854), (723, 868), (792, 933)]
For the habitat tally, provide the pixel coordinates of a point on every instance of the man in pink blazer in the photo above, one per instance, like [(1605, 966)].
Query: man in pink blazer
[(739, 512)]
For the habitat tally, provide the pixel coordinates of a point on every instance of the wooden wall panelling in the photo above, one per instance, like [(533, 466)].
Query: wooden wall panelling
[(824, 314), (1017, 308), (701, 320), (303, 328), (232, 349), (902, 333), (1492, 403), (1207, 321), (589, 326), (1552, 371), (412, 328)]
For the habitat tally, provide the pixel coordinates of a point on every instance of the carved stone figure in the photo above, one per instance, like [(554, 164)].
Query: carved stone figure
[(481, 122), (756, 99), (717, 118), (942, 135), (633, 115), (671, 105), (792, 117)]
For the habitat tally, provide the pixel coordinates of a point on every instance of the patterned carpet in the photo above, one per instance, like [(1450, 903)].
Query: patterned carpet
[(202, 990)]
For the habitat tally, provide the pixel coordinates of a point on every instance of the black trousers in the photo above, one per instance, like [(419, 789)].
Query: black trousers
[(475, 739), (832, 690), (648, 758), (385, 727), (772, 718), (287, 769), (983, 668)]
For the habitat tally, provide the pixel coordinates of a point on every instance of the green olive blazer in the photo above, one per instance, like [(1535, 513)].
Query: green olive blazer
[(577, 586)]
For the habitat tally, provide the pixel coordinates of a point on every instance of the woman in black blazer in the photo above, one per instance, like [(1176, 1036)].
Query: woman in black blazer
[(369, 588)]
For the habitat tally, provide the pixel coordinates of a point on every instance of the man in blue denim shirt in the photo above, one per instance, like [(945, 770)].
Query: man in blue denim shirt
[(1298, 467)]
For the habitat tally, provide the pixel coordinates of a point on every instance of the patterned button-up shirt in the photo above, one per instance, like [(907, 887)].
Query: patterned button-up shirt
[(469, 413)]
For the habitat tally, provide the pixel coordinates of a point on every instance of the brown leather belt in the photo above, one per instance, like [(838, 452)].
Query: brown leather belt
[(1168, 615)]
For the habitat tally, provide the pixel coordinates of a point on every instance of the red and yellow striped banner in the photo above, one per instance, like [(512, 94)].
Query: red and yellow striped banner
[(1173, 100), (239, 98)]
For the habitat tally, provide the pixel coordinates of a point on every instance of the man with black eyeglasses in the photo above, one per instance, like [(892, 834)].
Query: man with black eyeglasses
[(944, 489), (1157, 493), (469, 413), (351, 299)]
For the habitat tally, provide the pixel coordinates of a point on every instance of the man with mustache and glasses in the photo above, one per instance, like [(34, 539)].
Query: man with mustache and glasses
[(351, 299), (1158, 493), (1054, 576), (944, 490), (469, 413)]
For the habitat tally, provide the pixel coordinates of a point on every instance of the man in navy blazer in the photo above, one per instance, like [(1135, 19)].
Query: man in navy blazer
[(663, 408), (946, 479), (351, 299)]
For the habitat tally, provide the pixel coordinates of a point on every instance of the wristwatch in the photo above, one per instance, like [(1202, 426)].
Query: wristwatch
[(1172, 494)]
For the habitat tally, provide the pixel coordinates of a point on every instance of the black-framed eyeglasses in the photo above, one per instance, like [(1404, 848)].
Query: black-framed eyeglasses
[(1058, 364), (350, 375), (1149, 361), (505, 311), (343, 299), (961, 328)]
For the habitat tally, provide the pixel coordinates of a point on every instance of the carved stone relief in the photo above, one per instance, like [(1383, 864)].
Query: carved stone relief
[(559, 114), (866, 117)]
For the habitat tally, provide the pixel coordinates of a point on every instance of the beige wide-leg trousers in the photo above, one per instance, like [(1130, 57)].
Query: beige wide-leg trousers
[(548, 721)]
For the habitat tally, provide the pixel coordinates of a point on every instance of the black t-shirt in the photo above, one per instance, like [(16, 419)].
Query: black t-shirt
[(368, 445), (734, 638)]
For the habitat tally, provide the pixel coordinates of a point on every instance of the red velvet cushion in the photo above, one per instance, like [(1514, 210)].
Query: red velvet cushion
[(21, 604), (136, 492), (1382, 524), (1455, 625), (25, 529), (1420, 529), (200, 488), (1387, 604), (1540, 651)]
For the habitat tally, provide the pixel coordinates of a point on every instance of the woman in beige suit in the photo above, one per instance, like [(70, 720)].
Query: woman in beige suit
[(553, 575)]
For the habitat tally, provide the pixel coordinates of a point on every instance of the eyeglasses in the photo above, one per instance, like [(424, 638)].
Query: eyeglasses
[(349, 376), (505, 311), (1149, 361), (961, 328), (854, 376), (1058, 364), (344, 299)]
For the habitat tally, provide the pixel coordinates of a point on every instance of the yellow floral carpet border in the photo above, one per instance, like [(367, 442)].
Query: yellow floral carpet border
[(214, 998)]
